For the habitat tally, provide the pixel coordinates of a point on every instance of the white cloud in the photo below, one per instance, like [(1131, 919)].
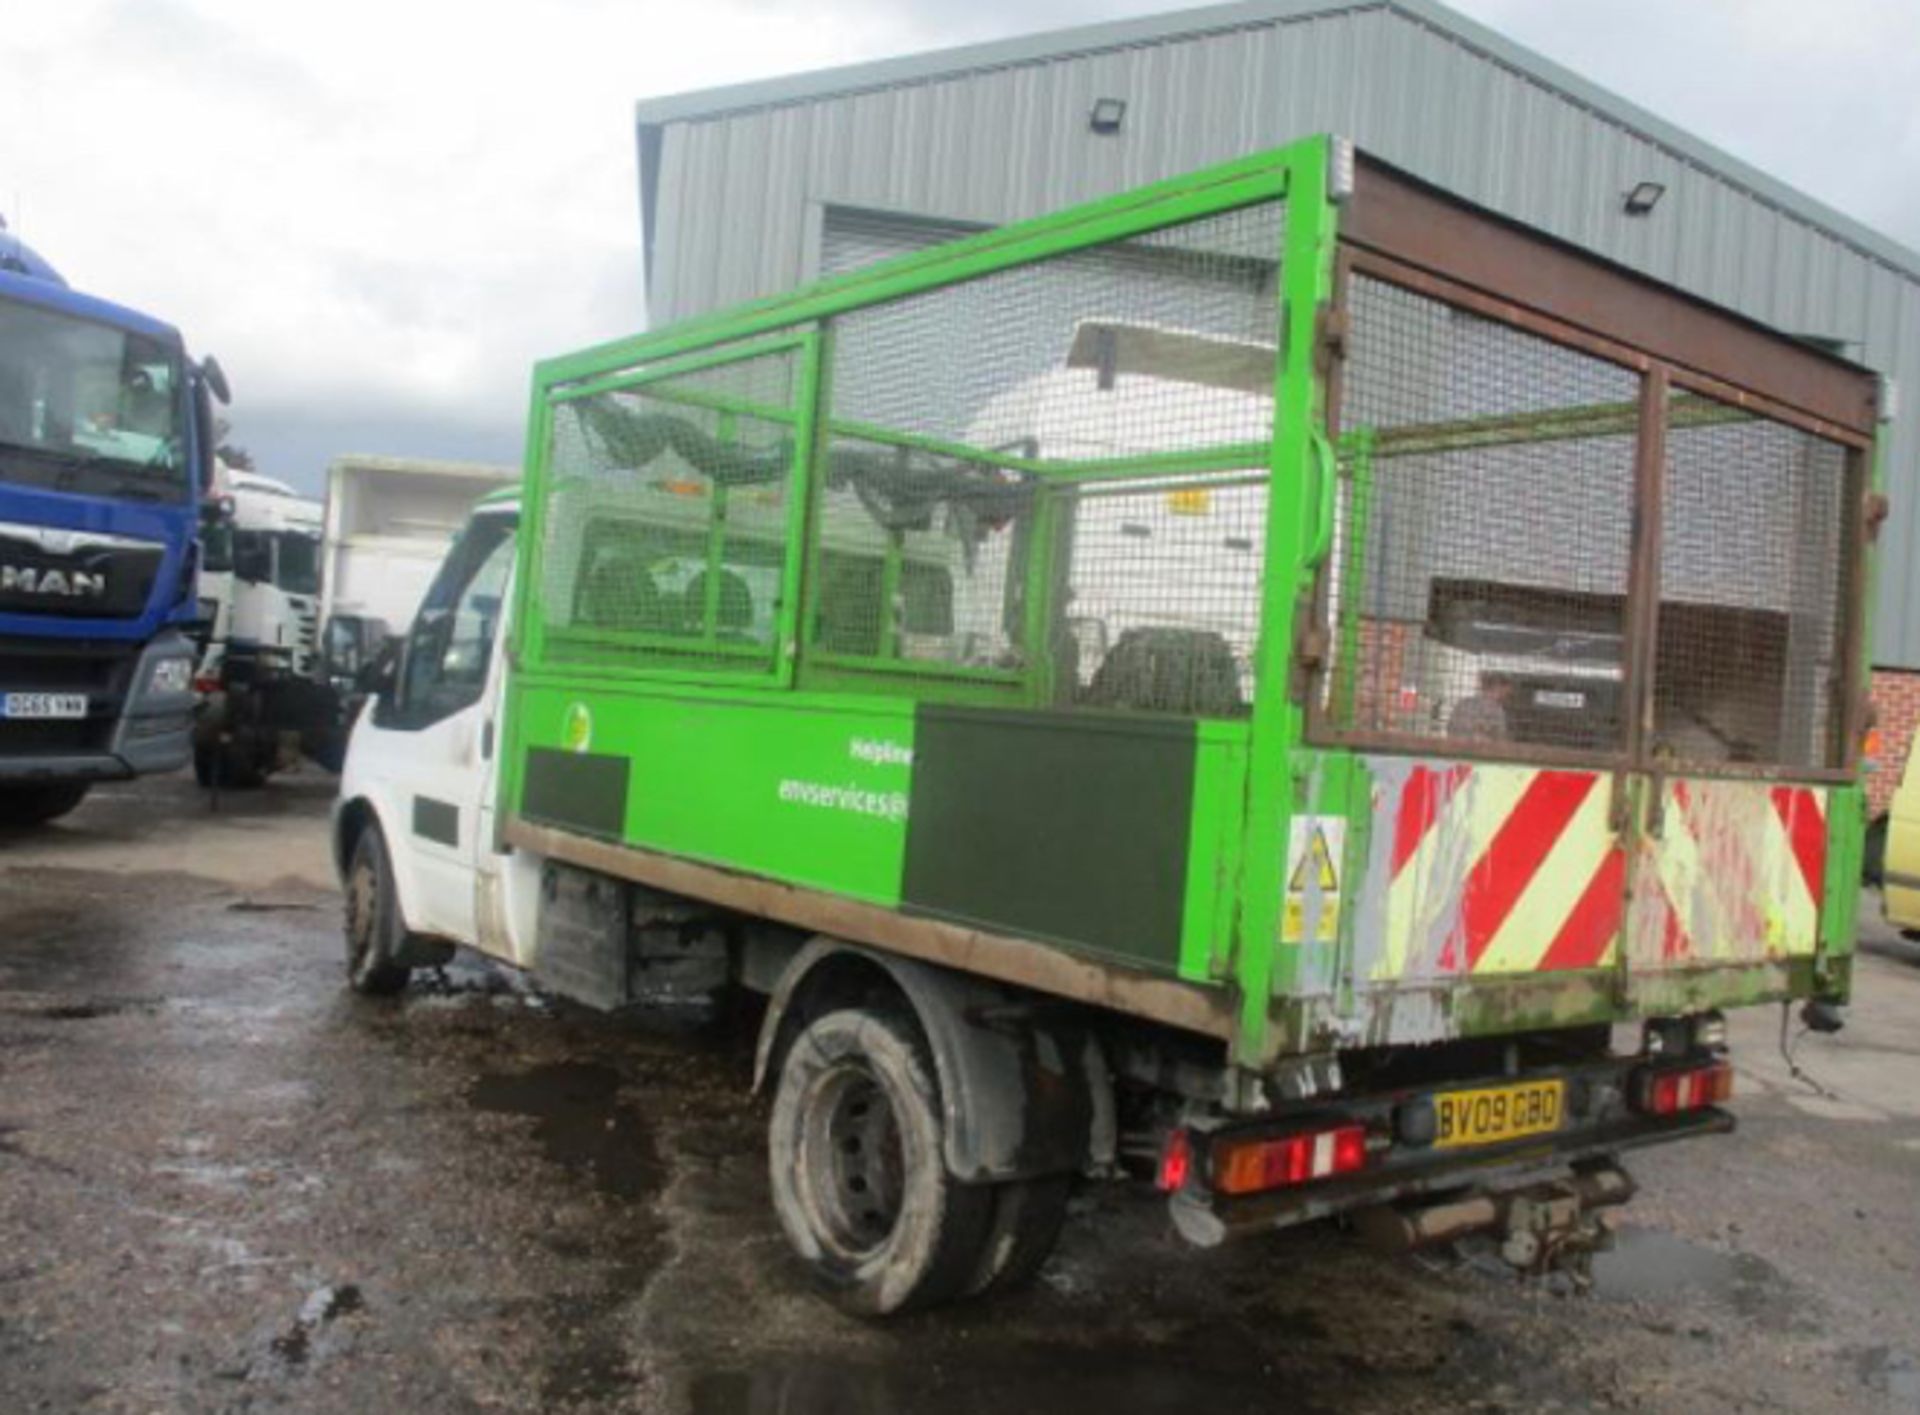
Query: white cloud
[(389, 210), (380, 214)]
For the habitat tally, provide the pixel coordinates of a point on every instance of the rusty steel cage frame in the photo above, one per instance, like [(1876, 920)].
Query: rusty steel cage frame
[(1402, 234)]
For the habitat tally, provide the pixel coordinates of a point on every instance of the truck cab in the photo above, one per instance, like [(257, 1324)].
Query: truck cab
[(260, 698), (413, 831), (106, 443)]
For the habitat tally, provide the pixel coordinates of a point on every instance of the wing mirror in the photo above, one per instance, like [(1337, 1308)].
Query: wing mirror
[(216, 378)]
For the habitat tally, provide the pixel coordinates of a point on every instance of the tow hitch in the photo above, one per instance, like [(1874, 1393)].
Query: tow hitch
[(1553, 1226)]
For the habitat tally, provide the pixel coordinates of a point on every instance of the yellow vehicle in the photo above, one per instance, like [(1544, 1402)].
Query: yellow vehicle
[(1899, 847)]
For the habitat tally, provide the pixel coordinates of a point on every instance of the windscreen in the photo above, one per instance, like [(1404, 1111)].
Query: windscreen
[(296, 563), (89, 408)]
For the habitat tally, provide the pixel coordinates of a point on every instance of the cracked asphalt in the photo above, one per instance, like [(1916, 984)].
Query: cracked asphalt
[(226, 1185)]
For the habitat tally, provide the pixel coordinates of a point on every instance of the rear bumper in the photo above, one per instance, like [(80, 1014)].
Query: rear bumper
[(1208, 1219)]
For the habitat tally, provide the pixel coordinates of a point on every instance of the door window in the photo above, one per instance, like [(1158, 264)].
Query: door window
[(451, 643)]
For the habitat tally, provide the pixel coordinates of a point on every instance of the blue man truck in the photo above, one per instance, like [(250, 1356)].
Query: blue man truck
[(106, 448)]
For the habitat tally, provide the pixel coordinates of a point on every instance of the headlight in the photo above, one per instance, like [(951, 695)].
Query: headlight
[(171, 675)]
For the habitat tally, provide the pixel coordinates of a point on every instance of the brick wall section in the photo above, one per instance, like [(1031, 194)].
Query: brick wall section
[(1896, 694)]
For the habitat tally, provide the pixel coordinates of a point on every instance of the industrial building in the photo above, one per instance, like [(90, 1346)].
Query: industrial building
[(751, 189)]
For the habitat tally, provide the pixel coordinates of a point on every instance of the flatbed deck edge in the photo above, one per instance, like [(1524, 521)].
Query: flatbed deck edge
[(1021, 962)]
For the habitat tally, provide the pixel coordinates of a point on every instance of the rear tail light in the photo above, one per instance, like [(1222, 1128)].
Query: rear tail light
[(1251, 1164), (1674, 1092), (1176, 1162)]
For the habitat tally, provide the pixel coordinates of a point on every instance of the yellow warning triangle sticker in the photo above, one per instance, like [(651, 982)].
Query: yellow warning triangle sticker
[(1318, 859)]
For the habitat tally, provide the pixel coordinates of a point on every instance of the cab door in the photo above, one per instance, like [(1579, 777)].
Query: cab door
[(441, 729)]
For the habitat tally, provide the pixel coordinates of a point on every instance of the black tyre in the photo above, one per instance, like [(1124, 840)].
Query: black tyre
[(1873, 857), (22, 806), (860, 1183), (374, 932), (1027, 1217), (228, 767)]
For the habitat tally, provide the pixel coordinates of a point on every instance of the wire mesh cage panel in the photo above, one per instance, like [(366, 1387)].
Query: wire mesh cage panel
[(1478, 593), (918, 559), (1155, 344), (1748, 662), (1161, 605), (667, 521), (1102, 589)]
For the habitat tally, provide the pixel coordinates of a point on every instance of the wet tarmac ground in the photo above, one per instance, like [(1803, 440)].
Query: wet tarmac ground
[(227, 1184)]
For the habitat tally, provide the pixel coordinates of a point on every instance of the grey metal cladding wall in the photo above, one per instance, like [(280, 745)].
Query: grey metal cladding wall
[(738, 193)]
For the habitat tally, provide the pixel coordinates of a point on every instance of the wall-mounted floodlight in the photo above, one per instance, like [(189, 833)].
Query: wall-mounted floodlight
[(1107, 115), (1644, 197)]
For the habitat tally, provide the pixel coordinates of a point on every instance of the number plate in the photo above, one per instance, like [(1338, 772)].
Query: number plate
[(1487, 1117), (1554, 698), (43, 705)]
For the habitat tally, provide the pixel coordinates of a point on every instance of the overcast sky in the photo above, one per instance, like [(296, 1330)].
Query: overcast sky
[(379, 215)]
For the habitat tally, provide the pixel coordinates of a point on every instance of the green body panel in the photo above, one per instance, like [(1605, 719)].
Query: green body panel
[(803, 789), (1068, 833), (971, 791), (1214, 864)]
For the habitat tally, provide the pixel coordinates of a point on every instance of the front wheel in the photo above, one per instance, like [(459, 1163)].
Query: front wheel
[(22, 806), (373, 929), (859, 1180)]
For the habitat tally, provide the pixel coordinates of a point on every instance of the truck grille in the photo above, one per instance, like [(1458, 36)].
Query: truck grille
[(100, 670), (29, 739), (54, 666), (87, 578)]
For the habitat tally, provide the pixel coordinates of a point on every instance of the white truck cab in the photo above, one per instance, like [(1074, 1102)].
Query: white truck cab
[(413, 830), (262, 570)]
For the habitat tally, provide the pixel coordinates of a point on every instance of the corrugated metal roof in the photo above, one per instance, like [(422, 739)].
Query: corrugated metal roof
[(652, 114)]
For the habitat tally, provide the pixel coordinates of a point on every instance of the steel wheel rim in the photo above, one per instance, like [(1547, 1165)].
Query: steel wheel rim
[(361, 889), (855, 1166)]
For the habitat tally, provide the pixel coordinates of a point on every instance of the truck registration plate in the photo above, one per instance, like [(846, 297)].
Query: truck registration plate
[(1486, 1117), (43, 705)]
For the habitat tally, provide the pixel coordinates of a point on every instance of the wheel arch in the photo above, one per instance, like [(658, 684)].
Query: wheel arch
[(350, 821), (1023, 1081), (351, 817)]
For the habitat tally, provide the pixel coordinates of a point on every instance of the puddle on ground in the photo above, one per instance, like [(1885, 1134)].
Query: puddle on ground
[(1647, 1264), (1031, 1379), (84, 1011), (1894, 1374), (582, 1126)]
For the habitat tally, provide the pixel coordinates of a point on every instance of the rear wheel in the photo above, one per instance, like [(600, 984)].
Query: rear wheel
[(22, 806), (858, 1172), (373, 930), (1027, 1217)]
